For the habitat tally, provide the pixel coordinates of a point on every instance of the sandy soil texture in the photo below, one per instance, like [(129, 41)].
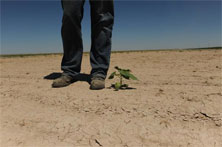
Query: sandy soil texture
[(176, 103)]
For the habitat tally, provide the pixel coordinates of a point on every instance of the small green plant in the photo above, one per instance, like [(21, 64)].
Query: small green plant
[(121, 73)]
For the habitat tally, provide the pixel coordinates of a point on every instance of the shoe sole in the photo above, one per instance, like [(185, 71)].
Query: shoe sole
[(95, 88), (60, 86)]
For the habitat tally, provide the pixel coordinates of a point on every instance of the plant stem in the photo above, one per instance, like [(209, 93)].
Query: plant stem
[(121, 80)]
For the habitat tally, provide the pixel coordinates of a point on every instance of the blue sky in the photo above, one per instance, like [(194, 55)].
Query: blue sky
[(35, 26)]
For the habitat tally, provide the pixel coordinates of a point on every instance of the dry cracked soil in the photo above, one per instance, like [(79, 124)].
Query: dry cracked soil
[(176, 102)]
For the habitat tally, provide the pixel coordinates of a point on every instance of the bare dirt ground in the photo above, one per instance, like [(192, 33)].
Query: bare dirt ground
[(176, 103)]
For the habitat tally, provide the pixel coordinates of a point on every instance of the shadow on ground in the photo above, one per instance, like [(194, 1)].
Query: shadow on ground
[(123, 88), (80, 77)]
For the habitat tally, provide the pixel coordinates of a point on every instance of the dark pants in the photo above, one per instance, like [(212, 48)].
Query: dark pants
[(102, 18)]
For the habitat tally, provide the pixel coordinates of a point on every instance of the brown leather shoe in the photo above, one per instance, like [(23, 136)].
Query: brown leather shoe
[(62, 81), (97, 83)]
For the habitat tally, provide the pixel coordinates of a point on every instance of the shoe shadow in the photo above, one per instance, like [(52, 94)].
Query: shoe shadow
[(80, 77), (53, 76)]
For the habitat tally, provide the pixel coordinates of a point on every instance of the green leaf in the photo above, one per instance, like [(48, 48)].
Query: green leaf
[(117, 85), (125, 74), (112, 75), (125, 85), (127, 70), (116, 67), (132, 77)]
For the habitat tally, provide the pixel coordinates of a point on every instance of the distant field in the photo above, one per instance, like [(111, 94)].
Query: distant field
[(45, 54)]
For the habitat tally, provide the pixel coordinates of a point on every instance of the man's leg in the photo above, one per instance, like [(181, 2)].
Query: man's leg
[(72, 42), (102, 18), (72, 36)]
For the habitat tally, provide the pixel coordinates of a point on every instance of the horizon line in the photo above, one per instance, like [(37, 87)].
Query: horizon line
[(115, 51)]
